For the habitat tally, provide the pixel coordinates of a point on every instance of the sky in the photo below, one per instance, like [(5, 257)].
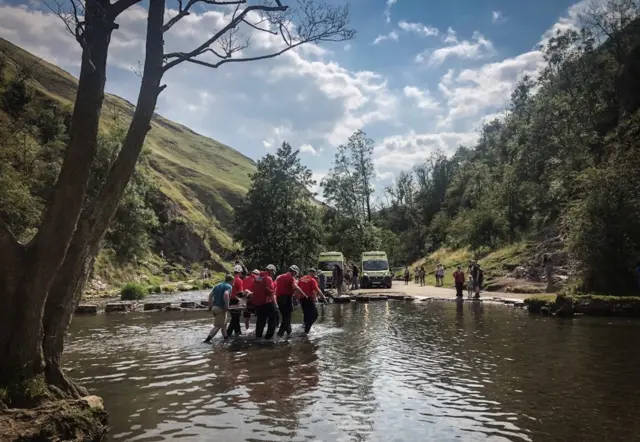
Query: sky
[(420, 75)]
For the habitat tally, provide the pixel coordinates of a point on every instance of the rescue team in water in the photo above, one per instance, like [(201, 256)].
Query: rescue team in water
[(271, 299)]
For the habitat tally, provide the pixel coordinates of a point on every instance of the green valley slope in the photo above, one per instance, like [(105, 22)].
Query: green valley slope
[(201, 180)]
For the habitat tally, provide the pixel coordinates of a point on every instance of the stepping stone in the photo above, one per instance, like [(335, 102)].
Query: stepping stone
[(188, 304), (116, 307), (155, 305), (86, 309), (342, 300)]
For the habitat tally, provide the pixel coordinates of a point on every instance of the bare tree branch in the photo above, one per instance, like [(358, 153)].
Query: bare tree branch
[(184, 11), (238, 60), (120, 6), (311, 21)]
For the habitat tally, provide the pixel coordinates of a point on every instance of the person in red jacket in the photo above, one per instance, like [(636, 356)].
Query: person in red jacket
[(458, 278), (264, 300), (236, 289), (286, 288), (247, 284), (309, 286)]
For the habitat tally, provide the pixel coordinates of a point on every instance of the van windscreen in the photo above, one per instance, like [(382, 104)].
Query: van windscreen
[(375, 265)]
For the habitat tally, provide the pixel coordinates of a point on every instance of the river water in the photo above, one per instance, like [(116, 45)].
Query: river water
[(387, 372)]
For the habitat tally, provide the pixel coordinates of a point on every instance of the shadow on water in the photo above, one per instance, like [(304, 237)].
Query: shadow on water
[(375, 372)]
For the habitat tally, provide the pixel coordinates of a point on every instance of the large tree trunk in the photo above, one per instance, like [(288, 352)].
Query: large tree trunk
[(67, 287), (28, 271)]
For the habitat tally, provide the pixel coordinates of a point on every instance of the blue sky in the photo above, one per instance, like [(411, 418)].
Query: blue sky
[(420, 76)]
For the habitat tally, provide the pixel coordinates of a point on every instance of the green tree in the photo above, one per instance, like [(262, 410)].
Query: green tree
[(276, 222), (347, 187)]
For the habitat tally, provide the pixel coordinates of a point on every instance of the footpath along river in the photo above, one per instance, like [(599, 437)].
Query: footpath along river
[(387, 371)]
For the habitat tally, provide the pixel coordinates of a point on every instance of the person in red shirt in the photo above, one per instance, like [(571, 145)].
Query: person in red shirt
[(458, 278), (247, 284), (264, 301), (236, 289), (286, 288), (309, 286)]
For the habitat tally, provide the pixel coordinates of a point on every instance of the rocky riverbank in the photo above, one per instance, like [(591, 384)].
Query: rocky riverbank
[(563, 305), (82, 420)]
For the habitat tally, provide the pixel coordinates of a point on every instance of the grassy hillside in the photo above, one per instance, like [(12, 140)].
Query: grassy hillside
[(504, 267), (199, 178)]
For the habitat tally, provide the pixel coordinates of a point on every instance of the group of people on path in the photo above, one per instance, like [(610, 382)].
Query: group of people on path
[(271, 299), (474, 280), (419, 275)]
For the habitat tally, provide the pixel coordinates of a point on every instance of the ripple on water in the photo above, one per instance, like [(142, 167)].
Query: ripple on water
[(374, 372)]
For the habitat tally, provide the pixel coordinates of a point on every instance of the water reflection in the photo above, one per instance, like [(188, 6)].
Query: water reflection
[(375, 372)]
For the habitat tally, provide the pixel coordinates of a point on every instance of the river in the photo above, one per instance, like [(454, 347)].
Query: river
[(383, 371)]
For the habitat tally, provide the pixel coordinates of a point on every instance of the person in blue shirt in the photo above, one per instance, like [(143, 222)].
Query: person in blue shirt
[(219, 305)]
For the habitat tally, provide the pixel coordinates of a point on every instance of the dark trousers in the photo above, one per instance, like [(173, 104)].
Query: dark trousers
[(266, 314), (310, 313), (234, 324), (285, 305), (459, 288)]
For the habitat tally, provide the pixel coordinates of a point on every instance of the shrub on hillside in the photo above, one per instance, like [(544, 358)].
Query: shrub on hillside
[(133, 291)]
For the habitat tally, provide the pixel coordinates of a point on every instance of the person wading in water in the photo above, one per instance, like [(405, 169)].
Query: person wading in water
[(264, 301), (286, 287), (310, 292), (236, 289), (219, 305), (458, 278), (337, 277), (247, 284)]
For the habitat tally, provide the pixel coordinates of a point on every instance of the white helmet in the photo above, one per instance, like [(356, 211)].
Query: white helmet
[(271, 268), (237, 269), (294, 268), (256, 272)]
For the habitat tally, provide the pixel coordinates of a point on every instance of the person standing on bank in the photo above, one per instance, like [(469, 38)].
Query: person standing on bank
[(236, 289), (355, 275), (264, 301), (310, 292), (286, 288), (458, 278), (547, 263), (219, 305)]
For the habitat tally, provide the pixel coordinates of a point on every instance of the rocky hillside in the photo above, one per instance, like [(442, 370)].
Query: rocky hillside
[(199, 179)]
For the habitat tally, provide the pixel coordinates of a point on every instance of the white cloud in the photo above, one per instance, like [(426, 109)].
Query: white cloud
[(393, 36), (498, 17), (419, 29), (268, 144), (478, 47), (569, 21), (422, 98), (402, 152), (308, 148), (451, 37), (347, 47), (486, 87), (387, 10)]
